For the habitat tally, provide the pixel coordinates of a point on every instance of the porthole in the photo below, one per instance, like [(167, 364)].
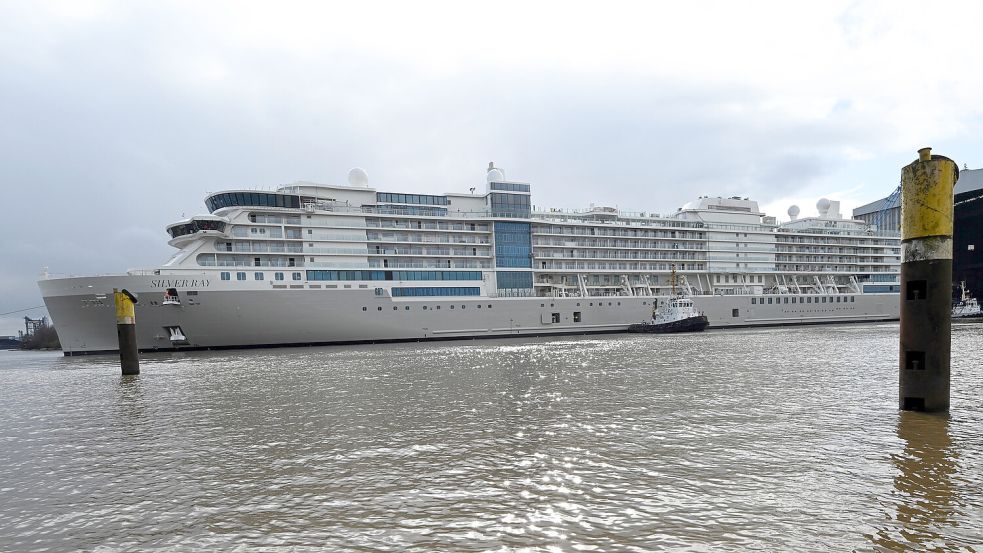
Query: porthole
[(424, 307), (395, 308), (452, 307), (407, 308), (365, 309), (379, 308)]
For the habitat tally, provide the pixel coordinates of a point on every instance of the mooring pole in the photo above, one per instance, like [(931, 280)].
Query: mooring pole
[(126, 331), (926, 282)]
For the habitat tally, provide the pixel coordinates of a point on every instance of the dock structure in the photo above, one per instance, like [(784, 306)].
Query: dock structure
[(926, 280)]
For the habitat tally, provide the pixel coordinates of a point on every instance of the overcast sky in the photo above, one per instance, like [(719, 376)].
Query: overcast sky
[(117, 117)]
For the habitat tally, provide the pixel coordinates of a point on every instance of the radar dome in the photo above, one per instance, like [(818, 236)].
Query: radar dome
[(823, 206), (495, 175), (793, 212), (358, 177)]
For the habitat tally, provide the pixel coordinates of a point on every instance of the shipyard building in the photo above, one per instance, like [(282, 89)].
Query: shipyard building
[(967, 263)]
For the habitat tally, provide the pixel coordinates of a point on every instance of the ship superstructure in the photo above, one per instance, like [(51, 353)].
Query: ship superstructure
[(309, 262)]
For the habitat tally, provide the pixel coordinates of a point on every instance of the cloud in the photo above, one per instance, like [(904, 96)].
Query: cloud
[(118, 117)]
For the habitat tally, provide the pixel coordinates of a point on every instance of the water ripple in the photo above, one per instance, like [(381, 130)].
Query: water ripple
[(763, 439)]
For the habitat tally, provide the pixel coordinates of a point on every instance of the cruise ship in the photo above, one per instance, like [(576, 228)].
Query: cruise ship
[(329, 264)]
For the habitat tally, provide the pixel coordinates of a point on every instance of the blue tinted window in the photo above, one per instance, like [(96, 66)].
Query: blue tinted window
[(513, 245), (229, 199), (436, 291), (514, 279), (391, 275)]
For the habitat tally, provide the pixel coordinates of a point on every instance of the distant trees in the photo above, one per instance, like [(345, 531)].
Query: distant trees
[(42, 338)]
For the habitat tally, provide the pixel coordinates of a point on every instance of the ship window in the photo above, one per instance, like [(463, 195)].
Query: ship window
[(824, 299), (851, 299), (542, 305), (395, 308), (735, 313), (278, 276), (365, 309), (809, 300), (837, 299), (576, 316), (754, 301), (794, 300), (556, 318), (309, 231), (407, 308), (489, 306), (226, 276), (296, 276), (379, 308), (240, 276), (452, 307), (424, 307), (769, 301), (786, 300), (479, 306), (258, 276)]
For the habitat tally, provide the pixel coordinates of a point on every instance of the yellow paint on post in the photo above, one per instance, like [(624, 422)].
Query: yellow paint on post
[(125, 312), (926, 196)]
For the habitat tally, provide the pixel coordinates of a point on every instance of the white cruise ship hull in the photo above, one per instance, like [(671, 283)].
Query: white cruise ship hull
[(230, 314)]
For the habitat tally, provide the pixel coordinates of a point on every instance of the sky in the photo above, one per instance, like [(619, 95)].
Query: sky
[(116, 118)]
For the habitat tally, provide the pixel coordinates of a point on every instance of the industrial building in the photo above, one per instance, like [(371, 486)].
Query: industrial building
[(967, 261)]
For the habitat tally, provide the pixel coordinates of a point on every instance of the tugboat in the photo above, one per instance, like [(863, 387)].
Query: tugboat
[(676, 314), (968, 307)]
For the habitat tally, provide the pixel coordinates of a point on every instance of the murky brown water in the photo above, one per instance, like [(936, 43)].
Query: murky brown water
[(767, 440)]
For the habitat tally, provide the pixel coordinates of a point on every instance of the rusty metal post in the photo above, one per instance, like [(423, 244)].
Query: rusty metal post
[(926, 282)]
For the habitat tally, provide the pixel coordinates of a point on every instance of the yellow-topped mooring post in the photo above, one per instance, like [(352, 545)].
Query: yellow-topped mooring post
[(126, 331), (926, 282)]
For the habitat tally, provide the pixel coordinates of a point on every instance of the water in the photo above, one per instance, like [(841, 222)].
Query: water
[(767, 440)]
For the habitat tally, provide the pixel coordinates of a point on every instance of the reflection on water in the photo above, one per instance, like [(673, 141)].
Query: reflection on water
[(927, 504), (771, 440)]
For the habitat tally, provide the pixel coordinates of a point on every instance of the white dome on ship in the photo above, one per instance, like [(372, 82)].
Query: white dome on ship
[(358, 177), (823, 206), (495, 175), (793, 212)]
